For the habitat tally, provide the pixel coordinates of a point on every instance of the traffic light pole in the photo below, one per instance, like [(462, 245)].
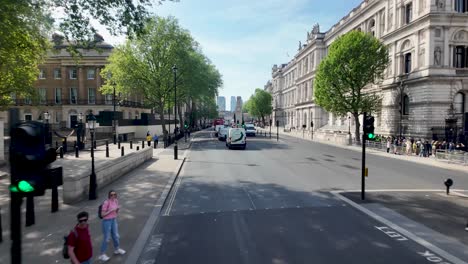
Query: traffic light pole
[(363, 182), (15, 226)]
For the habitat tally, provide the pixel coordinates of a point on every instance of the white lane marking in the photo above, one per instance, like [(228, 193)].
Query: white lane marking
[(176, 186), (401, 230), (250, 198)]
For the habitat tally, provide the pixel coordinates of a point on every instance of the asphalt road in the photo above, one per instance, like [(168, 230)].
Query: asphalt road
[(271, 203)]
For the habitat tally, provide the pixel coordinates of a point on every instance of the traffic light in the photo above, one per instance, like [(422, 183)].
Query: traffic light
[(369, 128), (29, 159)]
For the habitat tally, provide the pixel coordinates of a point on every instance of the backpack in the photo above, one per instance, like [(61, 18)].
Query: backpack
[(65, 245), (100, 210)]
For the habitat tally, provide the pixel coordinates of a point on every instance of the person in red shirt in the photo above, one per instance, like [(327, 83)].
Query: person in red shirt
[(80, 248)]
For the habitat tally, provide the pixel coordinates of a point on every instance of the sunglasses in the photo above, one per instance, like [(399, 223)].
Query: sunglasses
[(113, 194), (83, 220)]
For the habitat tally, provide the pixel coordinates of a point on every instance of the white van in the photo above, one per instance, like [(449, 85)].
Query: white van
[(236, 138)]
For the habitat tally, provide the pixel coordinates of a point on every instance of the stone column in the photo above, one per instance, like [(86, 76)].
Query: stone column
[(447, 48)]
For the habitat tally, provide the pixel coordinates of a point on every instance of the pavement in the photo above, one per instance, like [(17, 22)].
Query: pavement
[(138, 193), (276, 202)]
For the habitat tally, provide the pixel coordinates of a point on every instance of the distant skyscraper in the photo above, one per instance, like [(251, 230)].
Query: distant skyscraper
[(239, 105), (221, 102), (233, 103)]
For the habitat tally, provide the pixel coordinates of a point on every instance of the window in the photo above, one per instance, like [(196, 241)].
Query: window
[(58, 95), (408, 13), (28, 117), (91, 74), (461, 6), (42, 74), (57, 73), (109, 99), (73, 74), (305, 91), (408, 63), (460, 57), (91, 95), (42, 95), (405, 105), (73, 96), (27, 100)]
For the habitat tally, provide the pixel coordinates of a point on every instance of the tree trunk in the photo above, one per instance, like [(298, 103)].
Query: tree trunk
[(181, 123), (263, 120), (163, 123), (358, 125)]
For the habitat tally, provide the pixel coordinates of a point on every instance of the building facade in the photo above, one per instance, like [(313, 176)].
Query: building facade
[(67, 87), (221, 103), (426, 80), (233, 103)]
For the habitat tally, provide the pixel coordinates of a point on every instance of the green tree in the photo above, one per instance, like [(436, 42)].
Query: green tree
[(259, 104), (23, 46), (355, 61), (144, 64)]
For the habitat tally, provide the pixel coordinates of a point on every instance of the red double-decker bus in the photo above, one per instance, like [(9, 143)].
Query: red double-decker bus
[(218, 122)]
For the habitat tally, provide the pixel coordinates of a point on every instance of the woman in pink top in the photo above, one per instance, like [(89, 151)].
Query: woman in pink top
[(110, 210)]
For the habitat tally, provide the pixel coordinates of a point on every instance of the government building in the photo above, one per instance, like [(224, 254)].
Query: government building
[(424, 88)]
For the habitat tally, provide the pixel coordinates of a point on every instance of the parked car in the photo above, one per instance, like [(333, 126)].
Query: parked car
[(236, 138), (250, 130)]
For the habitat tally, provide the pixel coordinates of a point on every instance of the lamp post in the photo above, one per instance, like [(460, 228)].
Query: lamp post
[(48, 139), (174, 69), (79, 131), (349, 131), (92, 178)]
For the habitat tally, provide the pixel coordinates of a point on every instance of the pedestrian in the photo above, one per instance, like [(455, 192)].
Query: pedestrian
[(389, 142), (79, 244), (156, 140), (409, 147), (148, 138), (110, 211)]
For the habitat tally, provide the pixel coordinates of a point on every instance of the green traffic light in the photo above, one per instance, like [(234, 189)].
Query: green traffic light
[(14, 189), (370, 136), (25, 186)]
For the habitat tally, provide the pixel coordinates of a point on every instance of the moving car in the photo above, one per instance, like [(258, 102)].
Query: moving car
[(236, 138), (250, 130)]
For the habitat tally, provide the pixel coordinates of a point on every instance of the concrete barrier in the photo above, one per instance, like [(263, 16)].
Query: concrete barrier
[(76, 187)]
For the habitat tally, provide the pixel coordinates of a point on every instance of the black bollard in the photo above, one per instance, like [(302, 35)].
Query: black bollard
[(61, 152), (55, 203), (448, 183), (30, 217), (107, 151), (142, 144), (138, 148), (131, 144), (155, 144), (118, 145), (122, 152), (77, 154)]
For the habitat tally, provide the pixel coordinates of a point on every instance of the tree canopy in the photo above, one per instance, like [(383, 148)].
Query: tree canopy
[(27, 25), (259, 104), (355, 60), (144, 65)]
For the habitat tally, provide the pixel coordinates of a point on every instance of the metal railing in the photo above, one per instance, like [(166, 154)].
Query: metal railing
[(125, 103)]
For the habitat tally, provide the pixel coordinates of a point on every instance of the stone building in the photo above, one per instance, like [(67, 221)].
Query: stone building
[(428, 70), (67, 87)]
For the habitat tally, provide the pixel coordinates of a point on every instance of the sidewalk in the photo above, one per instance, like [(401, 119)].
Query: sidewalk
[(425, 161), (137, 191)]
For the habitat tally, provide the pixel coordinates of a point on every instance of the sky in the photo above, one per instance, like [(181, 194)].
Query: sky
[(245, 38)]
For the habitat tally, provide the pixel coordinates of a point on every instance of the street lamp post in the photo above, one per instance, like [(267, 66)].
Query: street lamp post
[(48, 139), (79, 131), (349, 130), (92, 178), (174, 69)]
